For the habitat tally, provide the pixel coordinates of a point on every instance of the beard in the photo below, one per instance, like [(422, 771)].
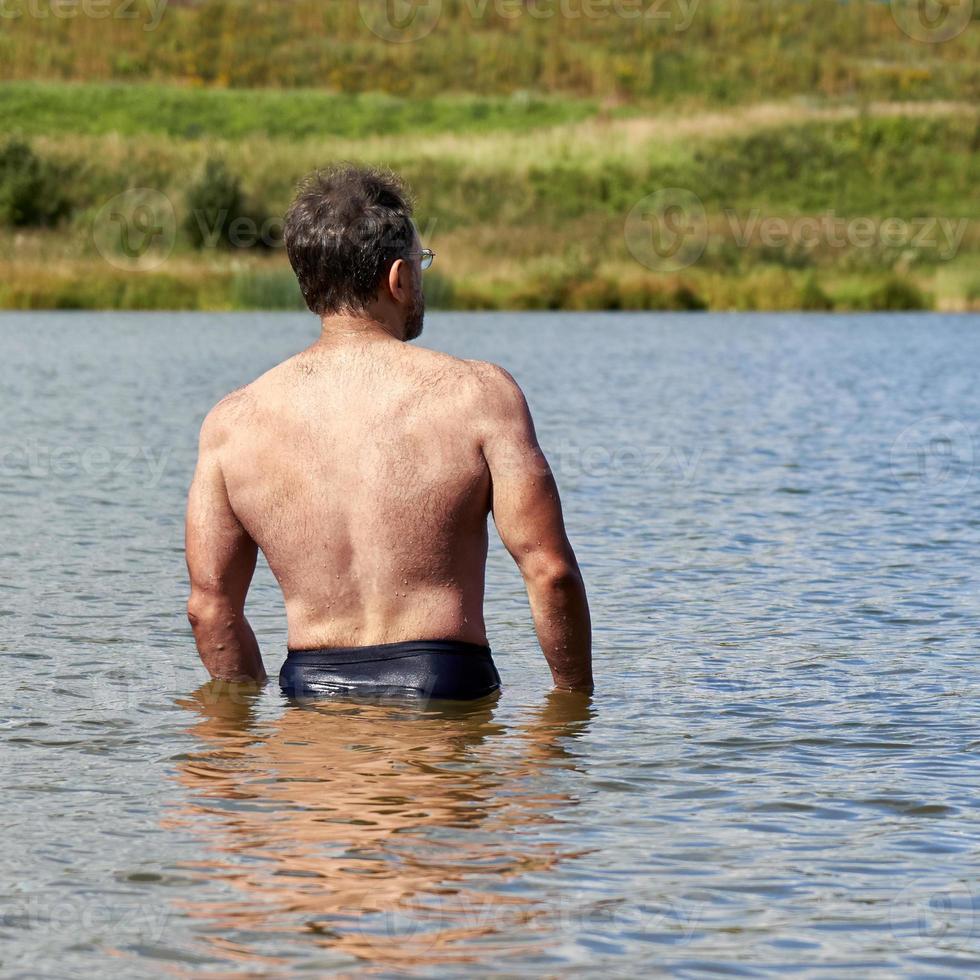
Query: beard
[(416, 316)]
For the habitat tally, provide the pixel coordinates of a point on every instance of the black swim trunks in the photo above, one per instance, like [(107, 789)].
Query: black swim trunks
[(442, 669)]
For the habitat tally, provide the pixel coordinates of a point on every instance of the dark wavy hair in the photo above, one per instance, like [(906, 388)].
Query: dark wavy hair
[(344, 229)]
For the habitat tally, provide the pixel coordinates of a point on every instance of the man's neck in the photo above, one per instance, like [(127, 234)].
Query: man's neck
[(345, 328)]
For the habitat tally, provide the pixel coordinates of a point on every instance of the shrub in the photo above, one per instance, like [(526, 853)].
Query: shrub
[(30, 188), (218, 213), (685, 298), (592, 294), (658, 293), (898, 294), (890, 294), (812, 296)]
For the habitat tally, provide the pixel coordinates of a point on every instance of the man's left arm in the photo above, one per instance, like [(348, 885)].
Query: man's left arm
[(221, 560)]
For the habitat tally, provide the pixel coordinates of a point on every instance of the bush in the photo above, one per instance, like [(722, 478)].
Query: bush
[(545, 290), (891, 294), (658, 293), (592, 294), (898, 294), (30, 188), (812, 296), (685, 298), (218, 214)]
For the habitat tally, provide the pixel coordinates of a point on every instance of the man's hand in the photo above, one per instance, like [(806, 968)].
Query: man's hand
[(527, 512), (220, 559)]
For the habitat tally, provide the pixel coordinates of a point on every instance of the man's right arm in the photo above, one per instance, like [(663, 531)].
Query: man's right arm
[(527, 512), (221, 560)]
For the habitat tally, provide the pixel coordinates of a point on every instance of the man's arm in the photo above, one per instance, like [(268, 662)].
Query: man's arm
[(220, 559), (527, 512)]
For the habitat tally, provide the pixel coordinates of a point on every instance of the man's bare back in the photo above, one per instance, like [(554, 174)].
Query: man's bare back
[(358, 470), (365, 469)]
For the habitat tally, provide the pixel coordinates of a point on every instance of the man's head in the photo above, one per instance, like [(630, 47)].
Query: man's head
[(354, 248)]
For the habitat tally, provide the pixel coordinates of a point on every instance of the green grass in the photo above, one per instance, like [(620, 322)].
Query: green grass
[(892, 165), (36, 108), (885, 167), (526, 216)]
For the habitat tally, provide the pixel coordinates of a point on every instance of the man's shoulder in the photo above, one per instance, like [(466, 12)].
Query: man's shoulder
[(227, 416), (492, 378), (239, 407), (496, 392), (481, 380)]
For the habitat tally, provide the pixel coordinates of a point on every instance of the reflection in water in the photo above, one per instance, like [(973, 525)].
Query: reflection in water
[(393, 834)]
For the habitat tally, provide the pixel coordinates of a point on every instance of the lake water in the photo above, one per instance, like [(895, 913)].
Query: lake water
[(779, 771)]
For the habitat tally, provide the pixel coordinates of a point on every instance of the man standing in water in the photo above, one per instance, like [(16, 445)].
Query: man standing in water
[(365, 469)]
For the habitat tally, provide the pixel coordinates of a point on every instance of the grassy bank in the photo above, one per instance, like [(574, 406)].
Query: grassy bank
[(36, 108), (792, 205), (255, 285)]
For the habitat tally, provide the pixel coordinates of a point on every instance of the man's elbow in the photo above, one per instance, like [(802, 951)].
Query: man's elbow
[(553, 573)]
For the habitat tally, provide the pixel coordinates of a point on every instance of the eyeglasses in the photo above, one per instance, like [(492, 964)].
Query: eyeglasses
[(427, 256)]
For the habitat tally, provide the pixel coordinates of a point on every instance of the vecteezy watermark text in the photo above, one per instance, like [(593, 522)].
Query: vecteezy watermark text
[(402, 21), (943, 236), (136, 463), (150, 12), (669, 230), (573, 461), (137, 230), (85, 914)]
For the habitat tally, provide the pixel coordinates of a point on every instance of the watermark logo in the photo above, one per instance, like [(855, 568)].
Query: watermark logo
[(932, 21), (925, 913), (136, 230), (668, 230), (934, 453), (400, 21)]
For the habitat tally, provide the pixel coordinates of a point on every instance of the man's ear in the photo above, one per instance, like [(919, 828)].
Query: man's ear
[(398, 280)]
